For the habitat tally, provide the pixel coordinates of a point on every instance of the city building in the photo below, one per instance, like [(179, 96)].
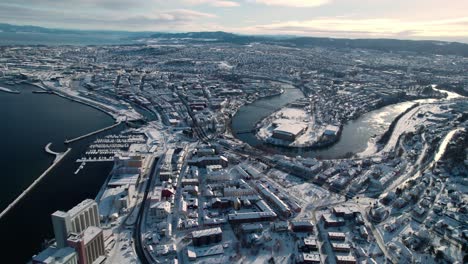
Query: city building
[(207, 236), (160, 210), (54, 255), (89, 245), (76, 220)]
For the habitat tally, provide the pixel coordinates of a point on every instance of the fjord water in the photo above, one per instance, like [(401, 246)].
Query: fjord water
[(29, 122)]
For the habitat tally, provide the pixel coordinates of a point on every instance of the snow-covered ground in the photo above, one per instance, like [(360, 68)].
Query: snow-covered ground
[(291, 117), (121, 113)]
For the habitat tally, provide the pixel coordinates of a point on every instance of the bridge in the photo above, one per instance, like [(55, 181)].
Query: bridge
[(67, 141)]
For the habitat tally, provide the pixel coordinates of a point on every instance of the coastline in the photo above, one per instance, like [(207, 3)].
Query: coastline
[(76, 99), (262, 144)]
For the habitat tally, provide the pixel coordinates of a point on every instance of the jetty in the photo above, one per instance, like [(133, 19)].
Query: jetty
[(56, 154), (58, 159), (8, 90), (100, 159), (67, 141)]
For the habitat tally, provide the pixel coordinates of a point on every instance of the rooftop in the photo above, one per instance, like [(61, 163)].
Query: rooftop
[(207, 232), (54, 255), (81, 206)]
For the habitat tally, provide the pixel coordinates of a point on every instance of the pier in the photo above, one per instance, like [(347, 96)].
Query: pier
[(100, 159), (56, 154), (67, 141), (58, 159)]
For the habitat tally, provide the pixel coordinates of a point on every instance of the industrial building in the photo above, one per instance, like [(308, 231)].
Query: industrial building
[(288, 132)]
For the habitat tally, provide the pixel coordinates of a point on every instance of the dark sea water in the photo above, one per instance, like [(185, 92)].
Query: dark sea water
[(28, 122)]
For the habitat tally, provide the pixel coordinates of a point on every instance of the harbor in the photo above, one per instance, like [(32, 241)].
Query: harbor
[(104, 149)]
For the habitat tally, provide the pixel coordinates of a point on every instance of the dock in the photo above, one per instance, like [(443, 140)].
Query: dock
[(94, 160), (80, 168), (57, 160), (67, 141)]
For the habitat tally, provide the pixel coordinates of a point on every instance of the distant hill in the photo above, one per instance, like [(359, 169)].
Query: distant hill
[(34, 29), (419, 46), (216, 36)]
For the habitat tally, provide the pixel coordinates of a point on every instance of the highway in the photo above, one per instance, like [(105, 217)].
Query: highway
[(143, 255)]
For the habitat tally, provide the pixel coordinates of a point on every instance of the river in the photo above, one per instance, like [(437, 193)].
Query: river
[(29, 122), (355, 137)]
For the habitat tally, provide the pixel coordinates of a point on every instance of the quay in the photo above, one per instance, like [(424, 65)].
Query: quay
[(67, 141), (57, 160)]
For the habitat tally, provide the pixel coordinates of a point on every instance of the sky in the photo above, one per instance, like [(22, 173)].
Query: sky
[(403, 19)]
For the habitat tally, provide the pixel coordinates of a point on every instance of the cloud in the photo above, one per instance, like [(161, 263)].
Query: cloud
[(151, 19), (293, 3), (216, 3), (381, 27)]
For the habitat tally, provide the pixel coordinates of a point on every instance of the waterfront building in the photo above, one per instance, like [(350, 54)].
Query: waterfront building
[(54, 255), (288, 132), (76, 220), (89, 245)]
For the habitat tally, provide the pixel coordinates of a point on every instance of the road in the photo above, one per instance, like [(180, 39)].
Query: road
[(143, 255)]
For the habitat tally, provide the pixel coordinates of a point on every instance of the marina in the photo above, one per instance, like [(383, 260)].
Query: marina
[(104, 149)]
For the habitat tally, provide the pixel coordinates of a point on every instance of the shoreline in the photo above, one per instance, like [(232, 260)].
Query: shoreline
[(385, 137), (48, 90), (323, 145)]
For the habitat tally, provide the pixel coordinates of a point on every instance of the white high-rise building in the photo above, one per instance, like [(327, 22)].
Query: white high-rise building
[(76, 220)]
